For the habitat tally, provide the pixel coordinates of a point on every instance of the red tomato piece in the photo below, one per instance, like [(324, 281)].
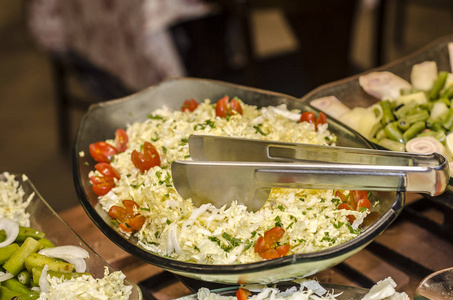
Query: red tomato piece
[(282, 250), (103, 188), (96, 180), (236, 106), (146, 160), (189, 105), (363, 203), (121, 140), (308, 117), (242, 294), (131, 207), (342, 196), (261, 245), (102, 151), (221, 108), (107, 170), (269, 254), (124, 226), (137, 222), (322, 119), (273, 235), (346, 206), (118, 212)]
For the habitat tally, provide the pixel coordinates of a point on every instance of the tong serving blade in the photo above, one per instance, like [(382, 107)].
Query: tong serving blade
[(224, 169)]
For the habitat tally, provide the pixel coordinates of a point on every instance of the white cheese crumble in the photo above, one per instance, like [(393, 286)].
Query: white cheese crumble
[(210, 235), (110, 287)]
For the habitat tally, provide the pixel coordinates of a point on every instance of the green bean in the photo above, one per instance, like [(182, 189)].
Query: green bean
[(39, 260), (387, 115), (15, 285), (46, 243), (421, 115), (25, 232), (15, 263), (448, 120), (24, 277), (37, 271), (405, 109), (381, 134), (438, 85), (391, 145), (447, 93), (7, 294), (7, 251), (415, 129), (435, 126), (444, 100), (393, 132), (438, 135), (403, 124)]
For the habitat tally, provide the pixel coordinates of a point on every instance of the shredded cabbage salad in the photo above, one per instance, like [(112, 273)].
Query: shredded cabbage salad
[(175, 228)]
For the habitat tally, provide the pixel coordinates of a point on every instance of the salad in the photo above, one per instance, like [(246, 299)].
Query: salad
[(34, 268), (132, 177), (414, 116)]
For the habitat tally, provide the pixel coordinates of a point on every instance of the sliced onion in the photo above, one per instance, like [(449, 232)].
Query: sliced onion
[(43, 283), (425, 145), (72, 254), (383, 85), (11, 229), (5, 276), (423, 75), (331, 106)]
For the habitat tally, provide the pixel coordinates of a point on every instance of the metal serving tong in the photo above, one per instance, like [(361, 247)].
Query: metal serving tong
[(224, 169)]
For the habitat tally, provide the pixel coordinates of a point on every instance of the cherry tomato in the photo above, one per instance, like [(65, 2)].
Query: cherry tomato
[(118, 212), (146, 160), (346, 206), (107, 170), (342, 196), (102, 188), (273, 235), (269, 254), (322, 119), (242, 294), (308, 117), (130, 206), (102, 151), (261, 245), (100, 180), (225, 108), (189, 105), (221, 108), (121, 140), (282, 250), (137, 222), (365, 202), (126, 227)]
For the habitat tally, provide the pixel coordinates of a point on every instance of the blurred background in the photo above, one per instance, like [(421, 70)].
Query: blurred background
[(57, 58)]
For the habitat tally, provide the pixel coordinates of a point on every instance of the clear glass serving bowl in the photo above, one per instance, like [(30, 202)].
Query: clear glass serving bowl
[(100, 123), (45, 219), (352, 95)]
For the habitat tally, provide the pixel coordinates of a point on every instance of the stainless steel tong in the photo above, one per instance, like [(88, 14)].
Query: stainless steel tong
[(224, 169)]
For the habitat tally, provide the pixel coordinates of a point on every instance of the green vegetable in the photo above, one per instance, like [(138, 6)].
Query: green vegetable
[(392, 145), (387, 115), (15, 263), (39, 260), (415, 129), (437, 86), (393, 132), (24, 277), (37, 271), (7, 251)]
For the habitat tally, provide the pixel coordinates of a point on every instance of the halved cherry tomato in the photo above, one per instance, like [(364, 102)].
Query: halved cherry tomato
[(342, 196), (261, 245), (101, 186), (308, 117), (189, 105), (346, 206), (273, 235), (102, 151), (242, 294), (322, 119), (121, 140), (270, 254), (282, 250), (146, 160), (137, 222), (225, 108), (118, 212), (126, 227), (365, 202), (130, 206), (129, 219), (107, 170)]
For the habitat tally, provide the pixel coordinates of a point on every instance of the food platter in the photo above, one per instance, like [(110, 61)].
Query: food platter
[(103, 119), (350, 93), (45, 219)]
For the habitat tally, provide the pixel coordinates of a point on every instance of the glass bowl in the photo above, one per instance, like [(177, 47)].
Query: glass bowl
[(100, 123), (346, 292), (45, 219), (352, 95)]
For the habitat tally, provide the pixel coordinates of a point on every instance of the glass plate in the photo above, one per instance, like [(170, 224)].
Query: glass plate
[(352, 95), (45, 219), (100, 123)]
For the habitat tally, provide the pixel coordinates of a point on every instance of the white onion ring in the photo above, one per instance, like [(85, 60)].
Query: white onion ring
[(12, 231), (72, 254), (5, 276), (425, 145)]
